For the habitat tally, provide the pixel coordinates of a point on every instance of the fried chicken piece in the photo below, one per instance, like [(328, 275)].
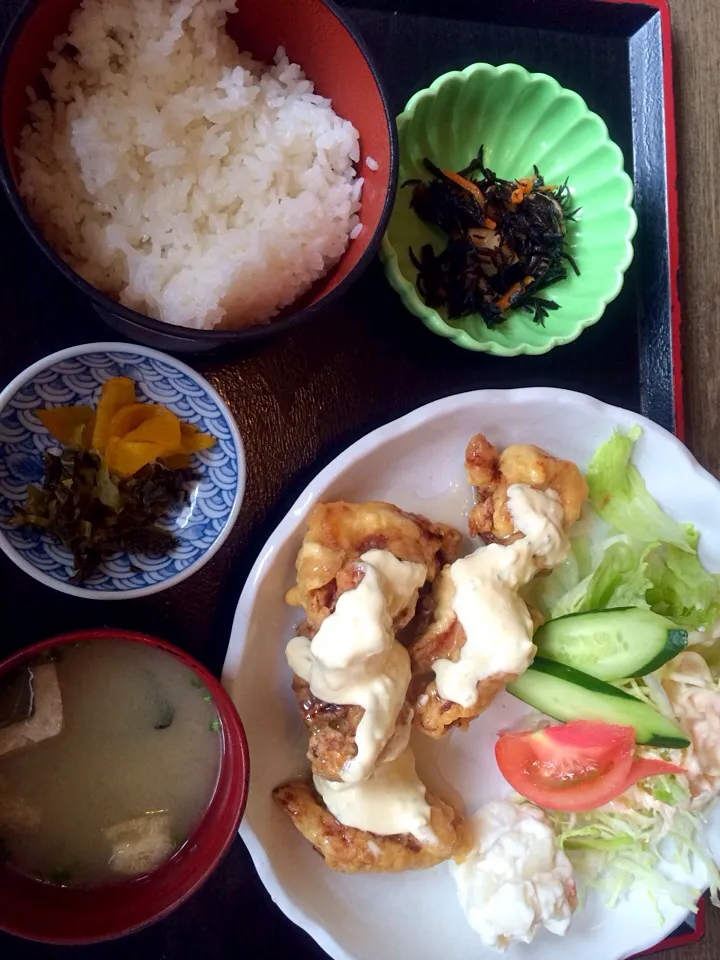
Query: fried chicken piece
[(348, 850), (436, 716), (339, 533), (492, 473), (440, 637), (439, 633), (332, 728)]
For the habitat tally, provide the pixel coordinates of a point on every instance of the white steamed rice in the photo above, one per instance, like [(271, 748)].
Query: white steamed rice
[(183, 178)]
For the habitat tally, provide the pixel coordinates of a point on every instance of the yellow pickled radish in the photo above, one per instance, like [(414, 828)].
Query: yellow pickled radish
[(66, 424), (125, 458), (116, 393), (191, 440), (129, 418), (161, 429)]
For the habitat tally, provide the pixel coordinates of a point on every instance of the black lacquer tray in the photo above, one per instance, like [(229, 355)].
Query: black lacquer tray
[(301, 398)]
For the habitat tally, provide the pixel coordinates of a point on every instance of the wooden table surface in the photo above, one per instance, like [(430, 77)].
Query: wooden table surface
[(696, 32), (696, 26)]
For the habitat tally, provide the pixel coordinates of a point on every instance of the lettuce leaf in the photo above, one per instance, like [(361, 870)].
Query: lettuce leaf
[(681, 588), (544, 593), (651, 560), (657, 576), (620, 497), (619, 580)]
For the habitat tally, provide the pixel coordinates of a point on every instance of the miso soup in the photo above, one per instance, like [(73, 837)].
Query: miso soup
[(109, 757)]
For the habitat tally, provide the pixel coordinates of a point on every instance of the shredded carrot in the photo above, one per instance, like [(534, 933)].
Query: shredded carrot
[(524, 187), (489, 223), (468, 185), (505, 301)]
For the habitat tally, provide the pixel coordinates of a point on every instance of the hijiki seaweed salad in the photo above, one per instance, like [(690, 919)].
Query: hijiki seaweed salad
[(507, 241)]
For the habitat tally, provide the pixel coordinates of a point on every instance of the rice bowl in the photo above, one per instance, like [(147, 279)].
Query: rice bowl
[(183, 179)]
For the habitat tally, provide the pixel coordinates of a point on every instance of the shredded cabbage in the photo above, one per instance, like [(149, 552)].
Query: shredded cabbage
[(626, 843), (615, 849)]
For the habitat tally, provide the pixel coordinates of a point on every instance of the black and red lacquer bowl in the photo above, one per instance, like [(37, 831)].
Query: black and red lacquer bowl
[(65, 915), (315, 34)]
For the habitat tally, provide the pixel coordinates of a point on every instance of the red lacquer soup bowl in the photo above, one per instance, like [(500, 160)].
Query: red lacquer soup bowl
[(66, 915), (316, 35)]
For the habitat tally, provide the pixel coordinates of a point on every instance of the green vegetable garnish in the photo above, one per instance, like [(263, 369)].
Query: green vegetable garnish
[(648, 561), (651, 561), (681, 588), (620, 497), (95, 514), (618, 847), (214, 726)]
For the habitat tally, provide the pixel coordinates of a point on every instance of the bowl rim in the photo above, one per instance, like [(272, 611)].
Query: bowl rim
[(108, 347), (231, 724), (104, 303), (430, 317)]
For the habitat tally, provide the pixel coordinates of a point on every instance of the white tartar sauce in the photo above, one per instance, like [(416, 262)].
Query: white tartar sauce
[(515, 879), (391, 801), (496, 621), (354, 657)]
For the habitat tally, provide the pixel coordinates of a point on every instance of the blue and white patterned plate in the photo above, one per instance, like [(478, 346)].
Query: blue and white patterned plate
[(74, 377)]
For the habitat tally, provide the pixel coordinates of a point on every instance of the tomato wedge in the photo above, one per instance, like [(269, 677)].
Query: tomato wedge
[(574, 766), (647, 767)]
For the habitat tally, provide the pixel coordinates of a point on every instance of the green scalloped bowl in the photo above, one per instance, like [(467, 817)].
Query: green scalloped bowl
[(522, 119)]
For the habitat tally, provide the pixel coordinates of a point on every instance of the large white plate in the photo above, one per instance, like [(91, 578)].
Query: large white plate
[(417, 462)]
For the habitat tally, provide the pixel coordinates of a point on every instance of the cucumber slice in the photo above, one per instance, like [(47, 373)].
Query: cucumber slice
[(566, 694), (611, 644)]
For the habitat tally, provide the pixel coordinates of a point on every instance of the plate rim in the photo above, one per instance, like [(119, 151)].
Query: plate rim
[(294, 517)]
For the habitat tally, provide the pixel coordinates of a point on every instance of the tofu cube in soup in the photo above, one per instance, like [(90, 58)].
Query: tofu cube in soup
[(140, 844), (44, 714)]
